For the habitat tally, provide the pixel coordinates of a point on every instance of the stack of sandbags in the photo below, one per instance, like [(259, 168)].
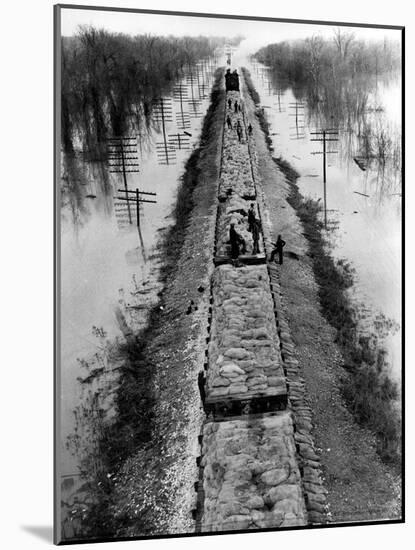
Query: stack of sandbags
[(236, 171), (236, 175), (244, 357), (251, 478)]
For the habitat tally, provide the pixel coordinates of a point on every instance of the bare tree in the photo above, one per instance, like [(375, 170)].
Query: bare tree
[(343, 41), (315, 47)]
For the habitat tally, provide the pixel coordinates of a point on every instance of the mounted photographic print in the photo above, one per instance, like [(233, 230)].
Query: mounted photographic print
[(228, 274)]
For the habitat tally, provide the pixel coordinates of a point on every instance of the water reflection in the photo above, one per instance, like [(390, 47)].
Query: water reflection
[(364, 113), (87, 154), (363, 180)]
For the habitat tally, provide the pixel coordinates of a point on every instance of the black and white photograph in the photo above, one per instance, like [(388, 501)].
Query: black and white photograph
[(229, 281)]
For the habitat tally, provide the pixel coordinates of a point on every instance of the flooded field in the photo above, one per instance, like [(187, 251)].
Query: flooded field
[(363, 192), (109, 268)]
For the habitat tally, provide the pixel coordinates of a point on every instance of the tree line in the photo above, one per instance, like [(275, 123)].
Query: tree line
[(317, 60), (338, 77), (110, 81)]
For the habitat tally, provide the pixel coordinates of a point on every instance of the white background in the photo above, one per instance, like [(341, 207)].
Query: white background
[(26, 312)]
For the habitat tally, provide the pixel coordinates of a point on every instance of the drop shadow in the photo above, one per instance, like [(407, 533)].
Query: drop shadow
[(43, 532)]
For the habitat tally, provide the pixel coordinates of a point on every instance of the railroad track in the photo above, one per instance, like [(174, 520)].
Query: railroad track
[(257, 465)]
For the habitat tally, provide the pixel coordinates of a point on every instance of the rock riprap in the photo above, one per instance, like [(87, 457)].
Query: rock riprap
[(244, 360), (250, 475)]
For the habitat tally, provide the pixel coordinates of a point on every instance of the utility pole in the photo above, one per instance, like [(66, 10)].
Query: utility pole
[(180, 94), (136, 197), (193, 103), (278, 94), (180, 141), (206, 78), (121, 157), (200, 85), (324, 137), (298, 108), (228, 54), (163, 113)]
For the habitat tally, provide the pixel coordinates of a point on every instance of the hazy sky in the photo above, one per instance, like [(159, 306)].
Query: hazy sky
[(260, 32)]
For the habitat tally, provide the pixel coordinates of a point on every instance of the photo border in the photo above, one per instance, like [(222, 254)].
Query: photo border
[(57, 9)]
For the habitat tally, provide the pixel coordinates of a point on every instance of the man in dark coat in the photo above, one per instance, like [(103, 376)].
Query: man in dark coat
[(234, 240), (256, 228), (238, 244), (279, 245), (251, 217)]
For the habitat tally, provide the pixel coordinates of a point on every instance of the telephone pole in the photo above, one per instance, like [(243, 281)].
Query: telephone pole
[(121, 157), (298, 108), (133, 195), (194, 104), (180, 141), (324, 136), (163, 114), (180, 95)]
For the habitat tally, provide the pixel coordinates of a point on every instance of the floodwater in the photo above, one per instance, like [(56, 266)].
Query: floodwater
[(363, 203), (108, 266)]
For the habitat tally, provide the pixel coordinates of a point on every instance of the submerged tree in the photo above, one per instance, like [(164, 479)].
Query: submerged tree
[(338, 77), (343, 41), (110, 82)]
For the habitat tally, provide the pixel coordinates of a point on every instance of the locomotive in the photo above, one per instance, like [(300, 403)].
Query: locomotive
[(232, 81)]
